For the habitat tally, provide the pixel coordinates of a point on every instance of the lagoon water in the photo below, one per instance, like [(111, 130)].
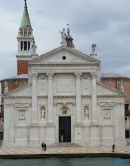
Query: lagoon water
[(88, 161)]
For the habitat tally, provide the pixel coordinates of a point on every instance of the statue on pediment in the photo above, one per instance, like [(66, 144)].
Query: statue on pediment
[(94, 48), (63, 36)]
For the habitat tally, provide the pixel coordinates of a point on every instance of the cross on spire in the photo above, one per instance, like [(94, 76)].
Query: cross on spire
[(25, 3)]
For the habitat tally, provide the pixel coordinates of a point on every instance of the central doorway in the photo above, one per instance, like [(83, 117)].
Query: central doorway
[(65, 129)]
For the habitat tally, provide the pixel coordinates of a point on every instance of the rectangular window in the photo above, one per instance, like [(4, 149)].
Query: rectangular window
[(25, 45), (126, 107), (28, 45), (21, 45)]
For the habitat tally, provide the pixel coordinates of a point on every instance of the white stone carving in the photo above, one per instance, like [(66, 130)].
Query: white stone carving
[(122, 86), (86, 112), (63, 36), (93, 48), (107, 115), (64, 110), (43, 113), (22, 115), (34, 46), (6, 86)]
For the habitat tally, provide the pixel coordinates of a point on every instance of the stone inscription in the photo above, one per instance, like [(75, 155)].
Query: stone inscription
[(64, 85)]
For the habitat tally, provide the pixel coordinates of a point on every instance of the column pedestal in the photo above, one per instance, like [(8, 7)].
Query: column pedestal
[(78, 135), (50, 134), (95, 137)]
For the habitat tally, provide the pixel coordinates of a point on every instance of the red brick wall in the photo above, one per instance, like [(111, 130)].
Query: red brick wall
[(116, 84), (11, 86), (22, 69)]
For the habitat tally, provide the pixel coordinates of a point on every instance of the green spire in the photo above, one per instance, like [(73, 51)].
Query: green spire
[(25, 23)]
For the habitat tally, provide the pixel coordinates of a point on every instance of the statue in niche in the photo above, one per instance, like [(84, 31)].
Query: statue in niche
[(43, 113), (107, 115), (21, 116), (64, 110), (86, 112), (63, 35)]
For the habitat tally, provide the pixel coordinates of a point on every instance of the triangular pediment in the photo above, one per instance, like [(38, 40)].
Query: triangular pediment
[(25, 90), (104, 90), (64, 54)]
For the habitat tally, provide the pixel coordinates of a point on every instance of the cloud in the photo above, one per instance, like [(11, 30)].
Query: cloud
[(105, 23)]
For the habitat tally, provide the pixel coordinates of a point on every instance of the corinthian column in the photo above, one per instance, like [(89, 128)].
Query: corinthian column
[(50, 98), (78, 98), (78, 127), (34, 98), (94, 98), (50, 131)]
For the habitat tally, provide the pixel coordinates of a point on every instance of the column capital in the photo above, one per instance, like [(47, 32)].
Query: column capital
[(94, 75), (78, 74), (50, 75), (34, 75)]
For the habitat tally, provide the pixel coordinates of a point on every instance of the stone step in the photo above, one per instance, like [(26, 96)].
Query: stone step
[(58, 145)]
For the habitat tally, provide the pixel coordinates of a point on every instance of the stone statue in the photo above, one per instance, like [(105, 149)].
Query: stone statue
[(21, 117), (63, 36), (107, 115), (93, 48), (86, 112), (34, 46), (6, 87), (42, 113), (122, 86)]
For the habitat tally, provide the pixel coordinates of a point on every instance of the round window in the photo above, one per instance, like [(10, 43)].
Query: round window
[(64, 57)]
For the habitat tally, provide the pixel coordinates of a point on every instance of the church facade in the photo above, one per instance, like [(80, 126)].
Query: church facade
[(64, 99)]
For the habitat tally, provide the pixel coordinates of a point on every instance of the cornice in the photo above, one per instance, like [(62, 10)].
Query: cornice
[(53, 64), (17, 97), (103, 95), (65, 96)]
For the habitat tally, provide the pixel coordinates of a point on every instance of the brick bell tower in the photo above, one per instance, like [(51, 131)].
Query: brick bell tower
[(26, 43)]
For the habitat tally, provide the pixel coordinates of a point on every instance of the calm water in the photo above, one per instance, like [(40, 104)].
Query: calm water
[(88, 161)]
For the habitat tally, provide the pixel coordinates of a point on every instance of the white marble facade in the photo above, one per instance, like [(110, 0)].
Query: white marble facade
[(59, 87)]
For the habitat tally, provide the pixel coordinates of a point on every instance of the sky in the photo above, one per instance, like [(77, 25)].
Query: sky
[(103, 22)]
